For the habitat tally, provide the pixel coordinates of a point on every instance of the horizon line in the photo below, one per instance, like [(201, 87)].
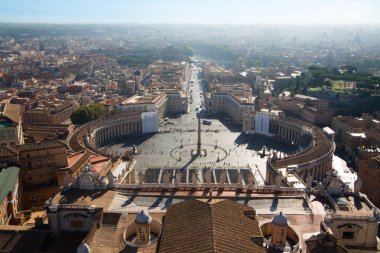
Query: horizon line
[(201, 24)]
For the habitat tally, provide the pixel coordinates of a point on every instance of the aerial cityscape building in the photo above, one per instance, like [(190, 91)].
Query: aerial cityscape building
[(189, 138)]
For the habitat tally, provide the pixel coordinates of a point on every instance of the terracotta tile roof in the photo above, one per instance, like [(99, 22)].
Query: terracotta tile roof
[(77, 160), (196, 226), (71, 159), (12, 112)]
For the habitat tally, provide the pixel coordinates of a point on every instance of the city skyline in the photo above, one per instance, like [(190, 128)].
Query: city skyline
[(189, 126), (294, 12)]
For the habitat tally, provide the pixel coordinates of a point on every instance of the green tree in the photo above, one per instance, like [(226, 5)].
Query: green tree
[(335, 71), (188, 51), (327, 82), (351, 69), (87, 113)]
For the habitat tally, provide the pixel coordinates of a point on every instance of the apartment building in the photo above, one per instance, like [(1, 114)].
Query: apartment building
[(53, 112)]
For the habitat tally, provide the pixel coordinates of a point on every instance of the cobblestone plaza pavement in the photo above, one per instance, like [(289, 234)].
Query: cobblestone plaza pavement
[(223, 146)]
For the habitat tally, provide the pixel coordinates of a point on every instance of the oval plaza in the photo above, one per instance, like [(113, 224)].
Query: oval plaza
[(274, 145)]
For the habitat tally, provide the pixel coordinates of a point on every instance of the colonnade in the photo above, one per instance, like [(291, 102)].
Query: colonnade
[(111, 131), (287, 133), (313, 160), (318, 171)]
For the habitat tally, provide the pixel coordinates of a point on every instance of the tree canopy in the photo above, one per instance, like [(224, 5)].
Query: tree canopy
[(188, 51), (87, 113)]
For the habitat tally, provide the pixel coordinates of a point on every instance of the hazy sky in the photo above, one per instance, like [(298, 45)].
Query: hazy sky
[(192, 11)]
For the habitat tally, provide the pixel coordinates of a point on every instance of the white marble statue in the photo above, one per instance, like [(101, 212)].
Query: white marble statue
[(194, 179), (278, 180), (66, 181), (309, 181), (141, 178), (208, 177), (178, 177), (251, 180), (240, 180), (335, 186), (357, 185), (75, 183), (87, 181), (110, 180), (222, 178), (166, 179)]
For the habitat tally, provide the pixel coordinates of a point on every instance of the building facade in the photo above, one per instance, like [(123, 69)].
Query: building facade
[(10, 194), (39, 163), (164, 102), (50, 113), (11, 124), (369, 173), (226, 102), (310, 109)]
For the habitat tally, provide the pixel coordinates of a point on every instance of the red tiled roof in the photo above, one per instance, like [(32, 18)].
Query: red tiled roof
[(71, 159), (95, 158)]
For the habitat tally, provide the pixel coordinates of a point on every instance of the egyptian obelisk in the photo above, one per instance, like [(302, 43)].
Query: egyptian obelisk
[(199, 136)]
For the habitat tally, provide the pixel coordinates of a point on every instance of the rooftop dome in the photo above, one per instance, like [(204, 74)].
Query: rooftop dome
[(83, 248), (280, 220), (143, 217)]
